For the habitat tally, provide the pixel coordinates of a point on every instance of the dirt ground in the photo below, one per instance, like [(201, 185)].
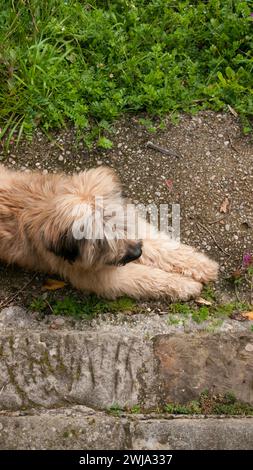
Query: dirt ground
[(215, 162)]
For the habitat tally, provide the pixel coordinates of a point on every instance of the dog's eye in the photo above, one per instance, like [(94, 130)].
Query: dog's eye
[(67, 247)]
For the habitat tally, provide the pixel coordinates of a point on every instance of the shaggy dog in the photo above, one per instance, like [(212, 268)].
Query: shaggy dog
[(46, 225)]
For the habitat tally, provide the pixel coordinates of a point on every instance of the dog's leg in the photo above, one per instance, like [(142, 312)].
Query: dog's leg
[(170, 256), (138, 281)]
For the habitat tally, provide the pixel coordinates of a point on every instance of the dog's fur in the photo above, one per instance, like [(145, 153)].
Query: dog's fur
[(36, 219)]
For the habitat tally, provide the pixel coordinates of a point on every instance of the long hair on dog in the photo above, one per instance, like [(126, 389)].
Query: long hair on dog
[(50, 223)]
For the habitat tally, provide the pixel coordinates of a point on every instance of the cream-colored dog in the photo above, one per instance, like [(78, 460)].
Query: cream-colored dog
[(44, 222)]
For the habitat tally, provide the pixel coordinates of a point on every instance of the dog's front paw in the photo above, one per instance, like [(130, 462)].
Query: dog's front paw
[(188, 289), (202, 269)]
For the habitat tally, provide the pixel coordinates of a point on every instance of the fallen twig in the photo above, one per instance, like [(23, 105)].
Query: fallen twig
[(10, 299), (217, 220), (213, 237), (232, 145), (163, 150)]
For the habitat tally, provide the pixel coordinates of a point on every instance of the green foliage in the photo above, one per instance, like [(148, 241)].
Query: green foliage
[(208, 293), (115, 409), (202, 313), (177, 409), (71, 61), (209, 404), (104, 143), (38, 304), (88, 308), (135, 409), (180, 308)]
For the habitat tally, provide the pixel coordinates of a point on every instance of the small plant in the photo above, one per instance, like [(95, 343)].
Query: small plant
[(148, 124), (180, 308), (208, 293), (135, 409), (38, 305), (104, 143), (115, 409), (200, 315)]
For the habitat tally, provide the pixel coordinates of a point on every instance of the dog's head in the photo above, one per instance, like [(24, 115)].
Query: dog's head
[(87, 222)]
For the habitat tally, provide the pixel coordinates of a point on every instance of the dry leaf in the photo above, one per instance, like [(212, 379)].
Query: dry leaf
[(202, 301), (224, 206), (53, 284), (169, 184), (248, 315)]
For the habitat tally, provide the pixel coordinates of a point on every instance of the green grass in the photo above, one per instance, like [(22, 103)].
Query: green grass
[(88, 308), (199, 314), (85, 63)]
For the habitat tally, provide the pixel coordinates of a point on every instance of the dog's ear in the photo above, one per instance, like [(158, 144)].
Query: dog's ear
[(66, 246)]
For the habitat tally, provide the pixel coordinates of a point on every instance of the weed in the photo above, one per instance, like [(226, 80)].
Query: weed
[(200, 315), (135, 409), (212, 404), (208, 293), (86, 63), (104, 143), (115, 409), (190, 408), (180, 308), (148, 124), (38, 305)]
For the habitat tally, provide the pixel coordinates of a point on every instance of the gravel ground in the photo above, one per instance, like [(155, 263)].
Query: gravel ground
[(215, 163)]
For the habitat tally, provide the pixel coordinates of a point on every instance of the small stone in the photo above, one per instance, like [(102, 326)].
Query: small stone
[(59, 321), (61, 158), (45, 172), (249, 347), (227, 227)]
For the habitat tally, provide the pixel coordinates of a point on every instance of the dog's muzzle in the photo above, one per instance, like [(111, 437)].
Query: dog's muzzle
[(133, 252)]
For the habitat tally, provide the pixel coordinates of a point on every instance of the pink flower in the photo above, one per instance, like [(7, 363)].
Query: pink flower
[(247, 260)]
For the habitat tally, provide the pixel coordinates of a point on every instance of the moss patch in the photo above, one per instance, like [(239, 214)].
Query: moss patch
[(88, 308)]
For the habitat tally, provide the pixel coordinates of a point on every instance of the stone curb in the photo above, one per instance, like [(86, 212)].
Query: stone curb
[(84, 429), (109, 364)]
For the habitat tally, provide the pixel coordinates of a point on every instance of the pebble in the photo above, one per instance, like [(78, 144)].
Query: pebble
[(61, 158)]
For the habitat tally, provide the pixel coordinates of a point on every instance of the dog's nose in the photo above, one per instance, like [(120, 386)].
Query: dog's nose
[(133, 252)]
